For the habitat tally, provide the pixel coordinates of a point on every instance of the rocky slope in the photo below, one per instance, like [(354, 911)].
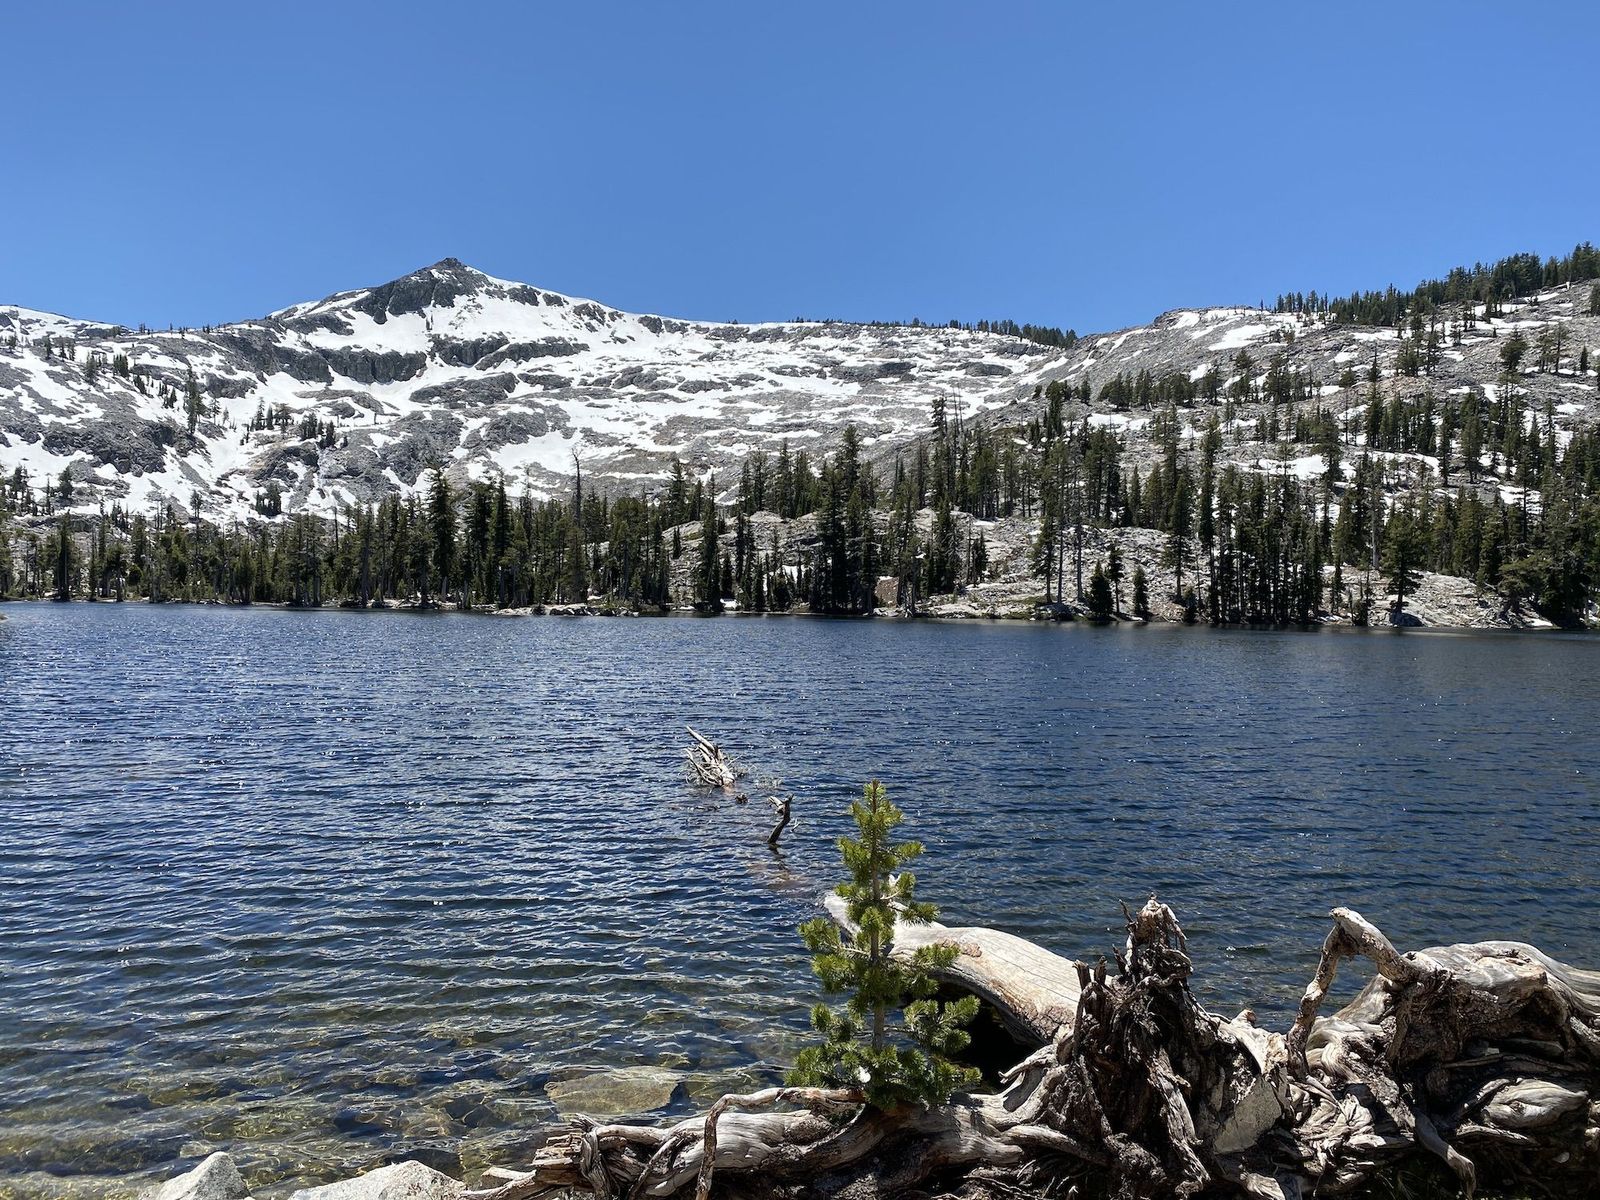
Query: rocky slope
[(489, 377), (344, 399), (1192, 341)]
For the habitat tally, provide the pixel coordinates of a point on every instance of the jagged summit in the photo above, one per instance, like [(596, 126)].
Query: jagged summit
[(343, 399)]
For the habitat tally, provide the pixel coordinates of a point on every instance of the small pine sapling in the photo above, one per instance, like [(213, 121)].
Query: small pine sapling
[(893, 1062)]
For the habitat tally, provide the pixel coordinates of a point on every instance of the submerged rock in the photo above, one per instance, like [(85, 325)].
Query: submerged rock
[(708, 1089), (614, 1093), (214, 1179), (400, 1181)]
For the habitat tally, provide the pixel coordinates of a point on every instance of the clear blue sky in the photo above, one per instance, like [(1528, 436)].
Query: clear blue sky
[(1086, 165)]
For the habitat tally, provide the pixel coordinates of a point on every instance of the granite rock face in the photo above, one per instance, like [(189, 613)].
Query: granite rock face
[(217, 1178), (399, 1181), (501, 381), (448, 366)]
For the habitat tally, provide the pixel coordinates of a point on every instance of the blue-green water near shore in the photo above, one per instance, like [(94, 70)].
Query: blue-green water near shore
[(332, 888)]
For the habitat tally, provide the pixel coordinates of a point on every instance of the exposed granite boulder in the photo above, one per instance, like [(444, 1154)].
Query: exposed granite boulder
[(465, 352), (662, 325), (425, 439), (640, 377), (438, 286), (258, 347), (548, 380), (865, 372), (517, 352), (366, 366), (127, 444), (626, 1090), (514, 429), (278, 463), (399, 1181), (467, 393), (228, 387), (217, 1178), (19, 428)]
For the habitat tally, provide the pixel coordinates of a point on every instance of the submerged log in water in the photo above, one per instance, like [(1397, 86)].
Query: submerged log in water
[(1486, 1056), (708, 766)]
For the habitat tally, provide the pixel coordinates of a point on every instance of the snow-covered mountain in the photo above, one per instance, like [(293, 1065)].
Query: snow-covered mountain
[(450, 365), (355, 396)]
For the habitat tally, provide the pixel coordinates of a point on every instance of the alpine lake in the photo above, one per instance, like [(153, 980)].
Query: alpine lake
[(330, 889)]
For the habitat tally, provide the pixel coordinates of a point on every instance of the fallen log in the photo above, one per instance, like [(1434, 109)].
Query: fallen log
[(708, 766), (1033, 991), (1486, 1056)]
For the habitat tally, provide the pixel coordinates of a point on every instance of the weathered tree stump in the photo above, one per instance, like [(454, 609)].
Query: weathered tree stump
[(708, 766), (1485, 1055)]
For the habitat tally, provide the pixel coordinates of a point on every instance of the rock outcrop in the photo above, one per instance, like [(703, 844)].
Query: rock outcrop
[(217, 1178)]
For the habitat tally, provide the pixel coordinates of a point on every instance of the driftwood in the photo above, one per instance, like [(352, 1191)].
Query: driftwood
[(1485, 1056), (1031, 990), (781, 809), (708, 766)]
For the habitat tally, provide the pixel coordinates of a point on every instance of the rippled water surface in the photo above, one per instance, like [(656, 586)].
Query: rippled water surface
[(333, 888)]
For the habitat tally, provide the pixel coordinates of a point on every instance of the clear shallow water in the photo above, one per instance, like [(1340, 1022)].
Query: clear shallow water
[(333, 888)]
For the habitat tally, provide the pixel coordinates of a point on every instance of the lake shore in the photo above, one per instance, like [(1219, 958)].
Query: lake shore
[(1440, 607)]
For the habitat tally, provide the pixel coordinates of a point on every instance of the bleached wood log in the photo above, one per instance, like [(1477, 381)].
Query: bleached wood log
[(813, 1099), (1486, 1055), (708, 766), (1032, 990)]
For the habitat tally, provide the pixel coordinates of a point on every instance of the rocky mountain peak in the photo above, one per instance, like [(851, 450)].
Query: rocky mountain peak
[(346, 399)]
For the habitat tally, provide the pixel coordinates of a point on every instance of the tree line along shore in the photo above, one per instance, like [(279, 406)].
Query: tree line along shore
[(1251, 494)]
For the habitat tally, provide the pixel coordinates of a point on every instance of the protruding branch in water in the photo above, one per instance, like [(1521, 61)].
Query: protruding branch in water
[(708, 766), (782, 807)]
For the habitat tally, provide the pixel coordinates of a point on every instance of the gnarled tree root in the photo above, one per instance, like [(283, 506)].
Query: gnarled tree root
[(1484, 1055)]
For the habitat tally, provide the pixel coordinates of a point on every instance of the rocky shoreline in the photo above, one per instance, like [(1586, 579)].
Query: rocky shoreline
[(1441, 602), (218, 1178)]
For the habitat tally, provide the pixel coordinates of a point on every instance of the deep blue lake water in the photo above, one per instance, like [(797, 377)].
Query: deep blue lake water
[(331, 888)]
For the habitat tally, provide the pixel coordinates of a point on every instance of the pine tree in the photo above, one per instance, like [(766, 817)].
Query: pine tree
[(1141, 594), (1099, 594), (7, 570), (442, 526), (911, 1062), (1512, 352), (66, 559), (1114, 574), (1178, 527), (577, 580), (708, 578), (1402, 555), (978, 566), (193, 404)]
